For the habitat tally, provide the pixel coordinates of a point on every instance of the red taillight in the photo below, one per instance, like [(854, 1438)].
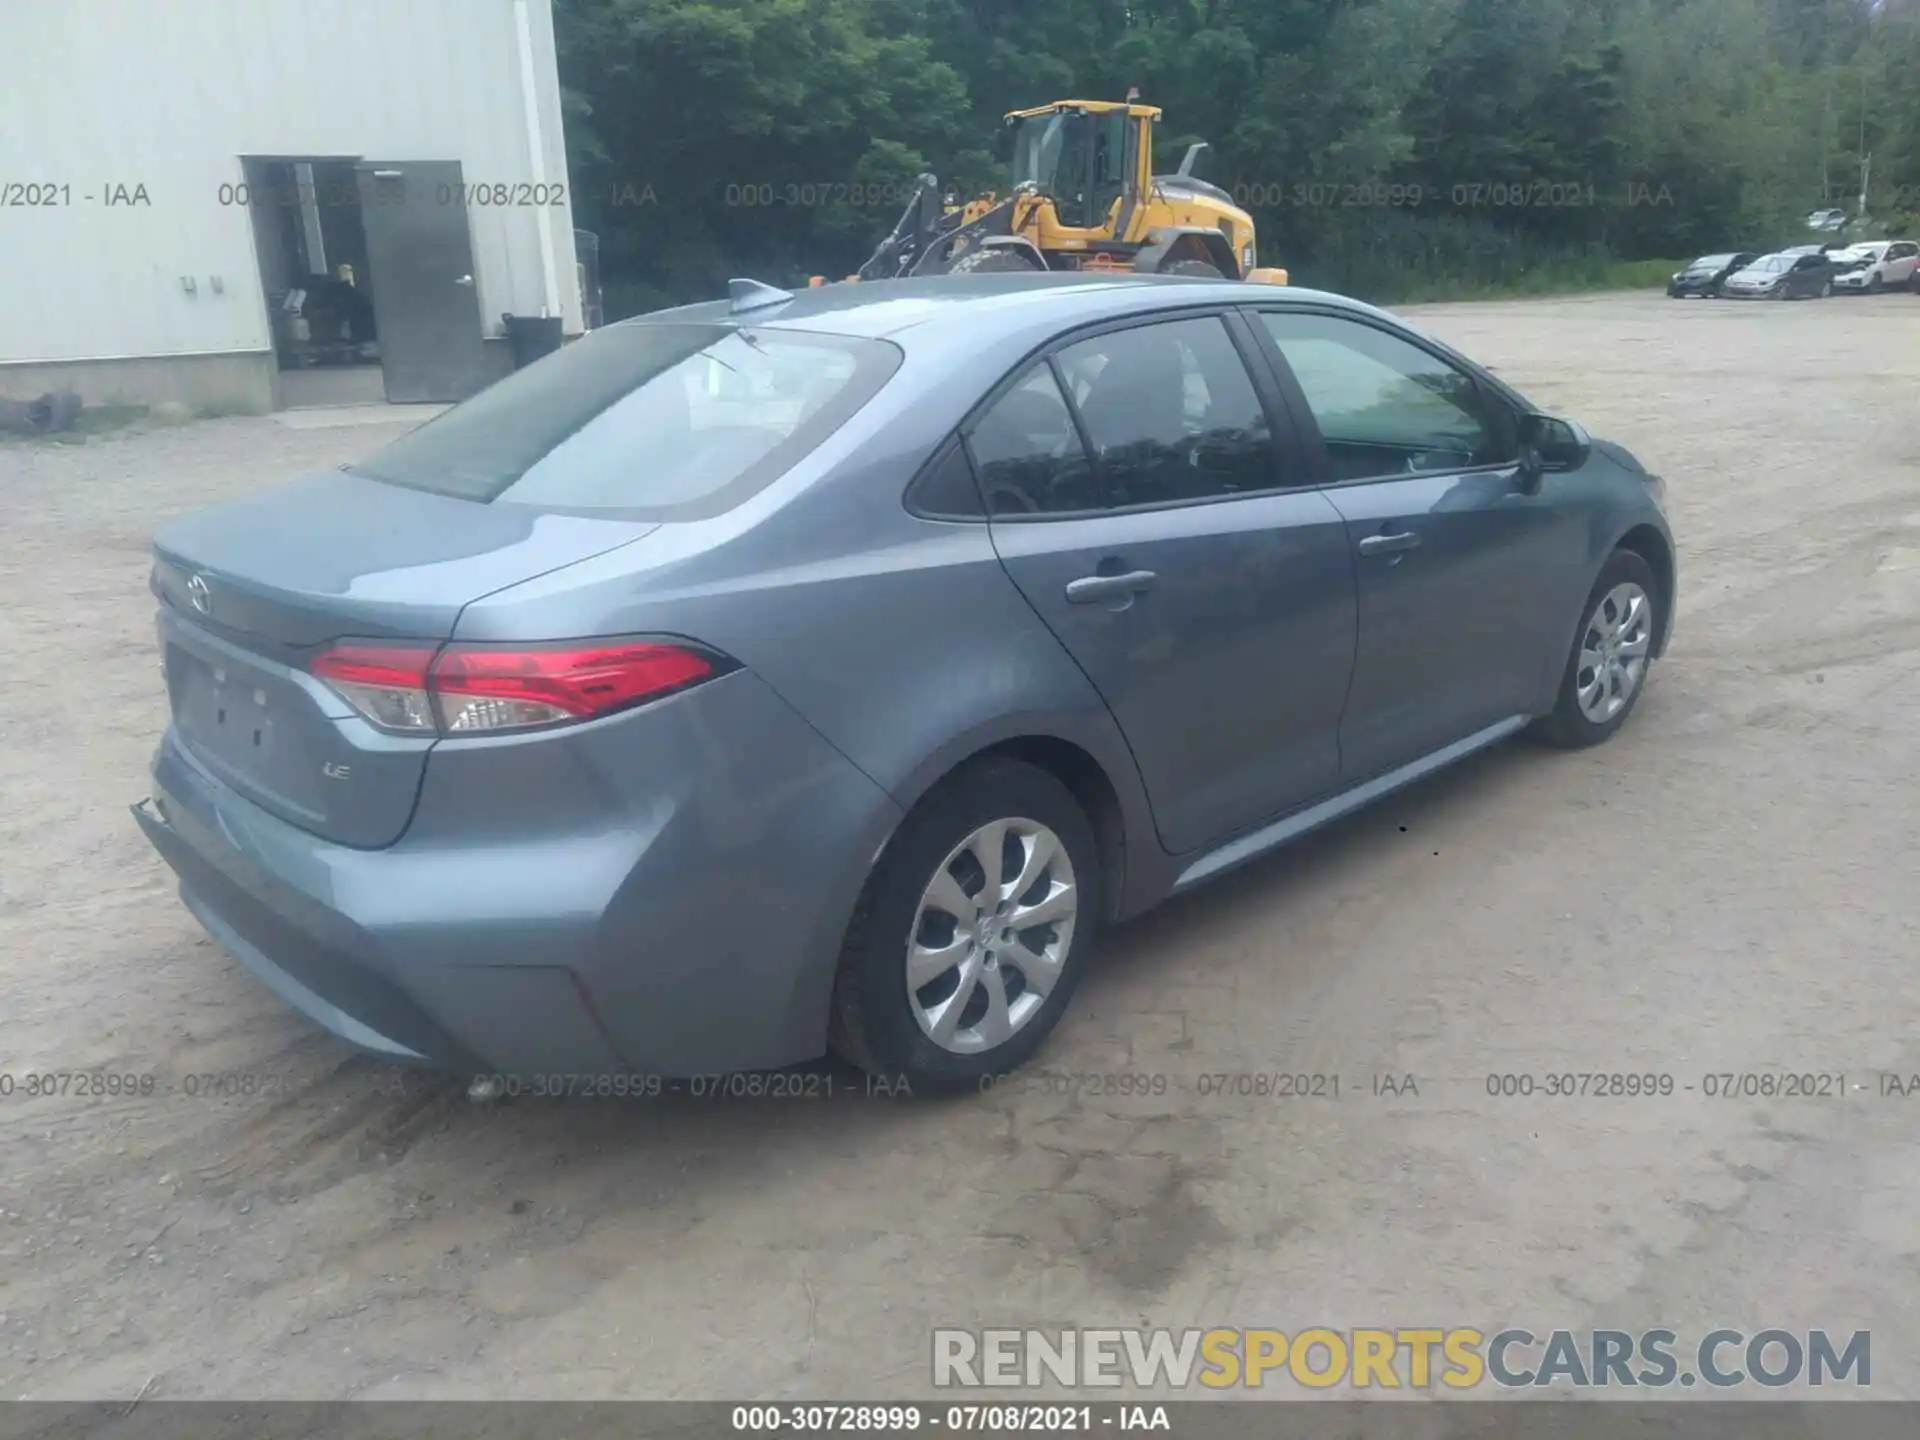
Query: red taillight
[(385, 683), (478, 689)]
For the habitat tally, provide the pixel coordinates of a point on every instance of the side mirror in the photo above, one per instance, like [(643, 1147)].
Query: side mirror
[(1548, 444)]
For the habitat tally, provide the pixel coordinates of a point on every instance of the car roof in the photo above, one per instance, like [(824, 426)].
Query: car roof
[(941, 306)]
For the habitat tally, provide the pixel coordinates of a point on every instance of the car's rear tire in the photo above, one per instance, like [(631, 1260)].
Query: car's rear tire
[(1017, 976), (1826, 289), (992, 260), (1611, 655)]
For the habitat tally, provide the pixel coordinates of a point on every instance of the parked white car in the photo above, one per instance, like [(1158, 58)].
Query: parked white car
[(1826, 219), (1876, 265)]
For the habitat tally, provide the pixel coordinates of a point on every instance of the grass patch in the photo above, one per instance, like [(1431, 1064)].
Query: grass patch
[(1602, 276), (1394, 257)]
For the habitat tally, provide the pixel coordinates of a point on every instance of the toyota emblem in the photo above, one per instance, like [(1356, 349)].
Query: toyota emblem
[(200, 594)]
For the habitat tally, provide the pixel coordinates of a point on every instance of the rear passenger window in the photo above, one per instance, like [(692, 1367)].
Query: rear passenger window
[(944, 490), (1027, 454), (1170, 413)]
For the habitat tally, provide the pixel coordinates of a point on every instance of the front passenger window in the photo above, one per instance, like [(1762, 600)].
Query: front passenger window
[(1384, 405)]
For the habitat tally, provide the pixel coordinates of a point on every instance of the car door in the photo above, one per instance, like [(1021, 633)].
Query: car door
[(1140, 489), (1454, 548), (1903, 259), (420, 260)]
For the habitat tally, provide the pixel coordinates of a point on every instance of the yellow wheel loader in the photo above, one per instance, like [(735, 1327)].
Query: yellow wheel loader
[(1084, 197)]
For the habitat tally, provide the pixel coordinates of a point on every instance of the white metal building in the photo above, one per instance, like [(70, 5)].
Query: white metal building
[(247, 204)]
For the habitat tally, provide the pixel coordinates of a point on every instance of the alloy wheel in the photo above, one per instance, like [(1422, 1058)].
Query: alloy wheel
[(1613, 652), (991, 935)]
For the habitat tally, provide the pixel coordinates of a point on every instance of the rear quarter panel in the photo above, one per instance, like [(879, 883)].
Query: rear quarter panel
[(900, 639)]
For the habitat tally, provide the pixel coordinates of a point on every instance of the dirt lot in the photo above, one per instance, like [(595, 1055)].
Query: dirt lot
[(1729, 887)]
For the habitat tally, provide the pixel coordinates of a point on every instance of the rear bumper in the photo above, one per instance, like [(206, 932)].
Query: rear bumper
[(319, 970), (663, 892)]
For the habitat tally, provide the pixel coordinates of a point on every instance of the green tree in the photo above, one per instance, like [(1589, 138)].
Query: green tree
[(1540, 138)]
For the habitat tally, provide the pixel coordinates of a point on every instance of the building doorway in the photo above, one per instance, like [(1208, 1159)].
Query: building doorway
[(368, 275), (315, 273)]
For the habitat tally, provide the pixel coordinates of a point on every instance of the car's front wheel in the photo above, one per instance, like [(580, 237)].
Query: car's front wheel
[(1612, 650), (971, 932)]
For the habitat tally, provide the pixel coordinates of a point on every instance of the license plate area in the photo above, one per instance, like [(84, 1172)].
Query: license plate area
[(225, 711), (280, 739)]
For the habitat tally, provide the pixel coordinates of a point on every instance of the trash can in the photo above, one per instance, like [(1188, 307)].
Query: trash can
[(531, 337)]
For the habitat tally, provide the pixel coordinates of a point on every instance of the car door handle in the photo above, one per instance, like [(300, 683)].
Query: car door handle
[(1091, 589), (1388, 544)]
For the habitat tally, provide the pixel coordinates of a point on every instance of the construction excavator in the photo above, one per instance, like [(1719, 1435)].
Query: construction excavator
[(1083, 197)]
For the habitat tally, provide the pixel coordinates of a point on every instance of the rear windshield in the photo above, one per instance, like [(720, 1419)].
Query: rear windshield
[(656, 420)]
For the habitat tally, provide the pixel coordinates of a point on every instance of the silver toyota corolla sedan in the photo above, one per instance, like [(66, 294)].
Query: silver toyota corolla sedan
[(795, 672)]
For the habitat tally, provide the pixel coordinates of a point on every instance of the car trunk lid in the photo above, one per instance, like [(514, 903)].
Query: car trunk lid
[(251, 592)]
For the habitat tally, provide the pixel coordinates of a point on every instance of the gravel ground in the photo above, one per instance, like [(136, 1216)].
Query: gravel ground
[(1728, 887)]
